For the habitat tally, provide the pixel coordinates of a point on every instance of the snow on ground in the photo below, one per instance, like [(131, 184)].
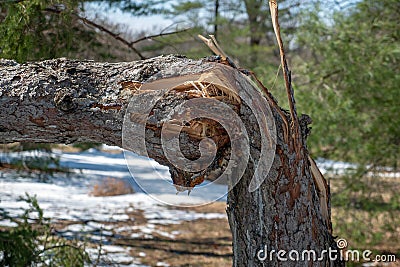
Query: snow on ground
[(66, 198), (334, 168)]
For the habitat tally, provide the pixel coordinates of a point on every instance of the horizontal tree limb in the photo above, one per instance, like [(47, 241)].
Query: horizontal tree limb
[(69, 101)]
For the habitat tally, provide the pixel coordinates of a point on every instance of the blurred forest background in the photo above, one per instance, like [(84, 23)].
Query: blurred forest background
[(345, 58)]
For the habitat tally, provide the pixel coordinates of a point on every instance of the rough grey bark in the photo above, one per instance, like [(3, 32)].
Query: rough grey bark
[(66, 101), (282, 214)]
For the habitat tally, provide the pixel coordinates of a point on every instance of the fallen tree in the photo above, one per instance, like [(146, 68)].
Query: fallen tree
[(68, 101)]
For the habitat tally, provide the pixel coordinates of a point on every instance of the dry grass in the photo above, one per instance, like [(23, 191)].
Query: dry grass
[(204, 243), (200, 243), (111, 187), (369, 226)]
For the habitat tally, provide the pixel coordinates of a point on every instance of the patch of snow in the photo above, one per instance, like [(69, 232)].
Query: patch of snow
[(98, 238), (124, 229), (8, 223), (96, 225), (107, 147), (113, 249), (175, 233), (160, 263), (120, 217), (113, 256), (66, 198), (334, 167), (106, 233), (120, 258), (136, 235), (331, 167), (75, 228)]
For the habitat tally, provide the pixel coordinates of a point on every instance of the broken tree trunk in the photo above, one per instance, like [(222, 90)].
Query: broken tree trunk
[(67, 101)]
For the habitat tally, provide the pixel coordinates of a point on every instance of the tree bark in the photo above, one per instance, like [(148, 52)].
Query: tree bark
[(67, 101), (282, 215)]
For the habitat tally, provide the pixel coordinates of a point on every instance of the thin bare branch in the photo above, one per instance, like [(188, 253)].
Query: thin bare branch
[(101, 28), (149, 37), (114, 35), (213, 45)]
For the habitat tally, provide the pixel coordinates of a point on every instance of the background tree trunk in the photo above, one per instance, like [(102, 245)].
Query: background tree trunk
[(66, 101)]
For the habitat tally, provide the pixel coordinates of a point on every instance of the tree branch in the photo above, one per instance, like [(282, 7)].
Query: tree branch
[(149, 37), (101, 28), (116, 35), (273, 202), (295, 127), (68, 101)]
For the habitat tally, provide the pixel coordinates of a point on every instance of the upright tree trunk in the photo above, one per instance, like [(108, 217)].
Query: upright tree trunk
[(283, 214), (216, 18), (66, 101), (256, 16)]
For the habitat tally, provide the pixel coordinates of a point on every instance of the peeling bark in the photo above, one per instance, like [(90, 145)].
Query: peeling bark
[(67, 101)]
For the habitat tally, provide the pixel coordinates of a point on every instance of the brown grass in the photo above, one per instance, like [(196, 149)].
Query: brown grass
[(200, 243), (208, 243), (111, 187)]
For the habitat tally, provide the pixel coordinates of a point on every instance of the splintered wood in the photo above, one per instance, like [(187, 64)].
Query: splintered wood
[(209, 85), (208, 90), (297, 140), (291, 133)]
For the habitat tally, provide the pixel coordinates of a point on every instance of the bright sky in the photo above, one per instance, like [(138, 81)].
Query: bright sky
[(149, 24), (156, 23)]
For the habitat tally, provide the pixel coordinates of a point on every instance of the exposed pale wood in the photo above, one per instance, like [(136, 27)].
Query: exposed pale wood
[(323, 189), (294, 129)]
